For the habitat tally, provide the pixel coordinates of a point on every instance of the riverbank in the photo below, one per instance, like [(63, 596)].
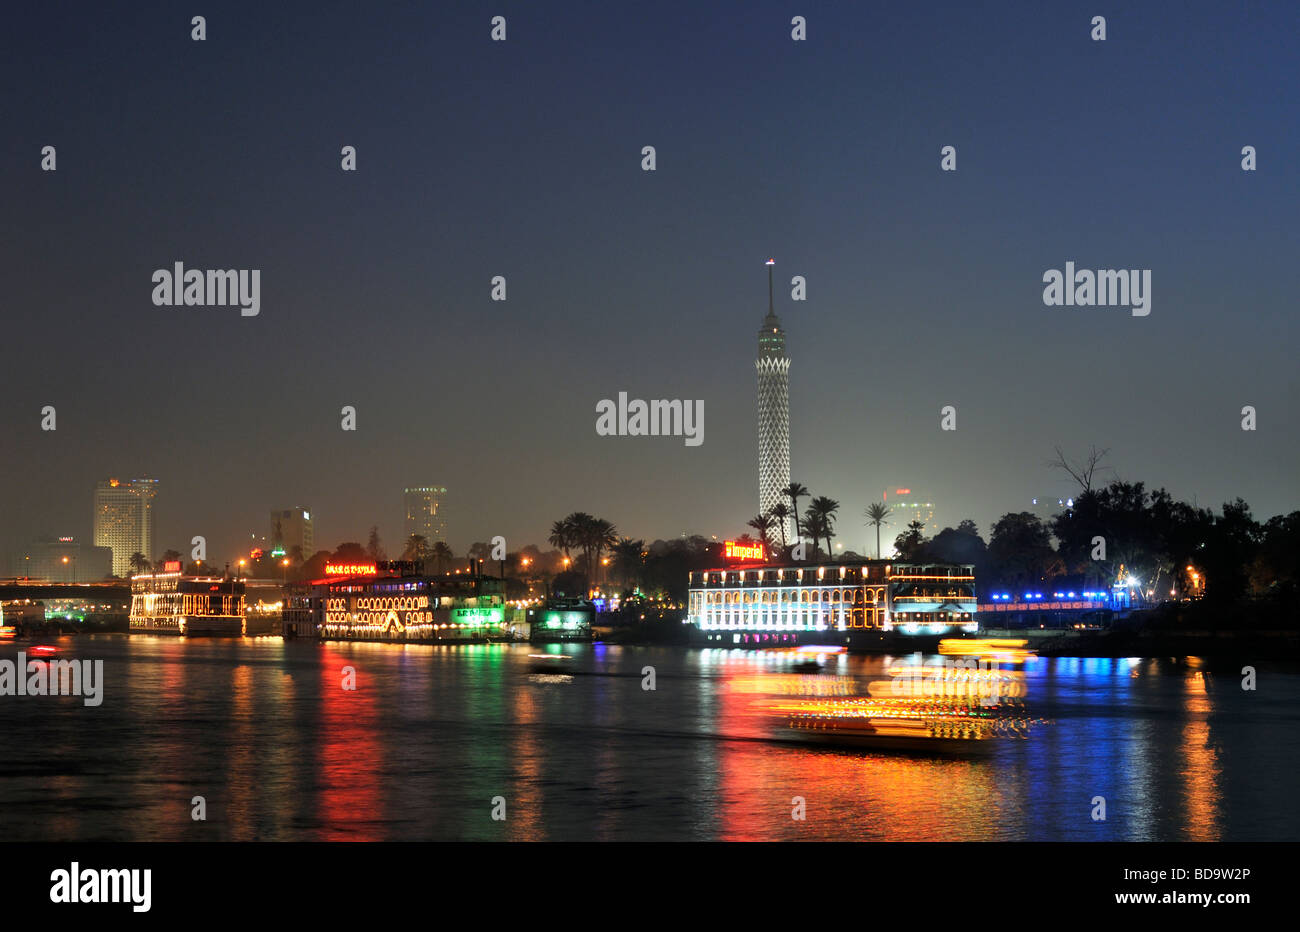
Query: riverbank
[(1270, 645)]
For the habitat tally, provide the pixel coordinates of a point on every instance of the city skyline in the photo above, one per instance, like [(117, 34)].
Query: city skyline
[(924, 288), (383, 418)]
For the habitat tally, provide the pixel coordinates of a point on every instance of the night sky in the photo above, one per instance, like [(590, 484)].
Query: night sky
[(522, 158)]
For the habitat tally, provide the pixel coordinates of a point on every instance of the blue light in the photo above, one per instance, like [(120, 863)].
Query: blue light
[(1072, 595)]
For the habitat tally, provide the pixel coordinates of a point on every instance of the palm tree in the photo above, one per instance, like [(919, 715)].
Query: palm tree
[(815, 525), (628, 557), (441, 555), (602, 536), (794, 491), (780, 513), (876, 514), (824, 509), (563, 535), (579, 523), (139, 563), (762, 524), (417, 548)]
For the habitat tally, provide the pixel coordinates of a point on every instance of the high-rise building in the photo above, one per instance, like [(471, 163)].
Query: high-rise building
[(905, 506), (124, 519), (290, 528), (773, 366), (425, 513), (61, 559), (1048, 507)]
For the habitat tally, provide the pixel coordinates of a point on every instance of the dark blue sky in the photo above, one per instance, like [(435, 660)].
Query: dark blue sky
[(522, 159)]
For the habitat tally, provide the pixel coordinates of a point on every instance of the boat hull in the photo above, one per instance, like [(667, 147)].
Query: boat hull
[(230, 626), (888, 738)]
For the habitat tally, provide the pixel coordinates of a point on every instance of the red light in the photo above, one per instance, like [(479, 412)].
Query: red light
[(351, 569), (736, 551)]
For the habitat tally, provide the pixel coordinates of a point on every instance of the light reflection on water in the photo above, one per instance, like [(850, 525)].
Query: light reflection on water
[(266, 733)]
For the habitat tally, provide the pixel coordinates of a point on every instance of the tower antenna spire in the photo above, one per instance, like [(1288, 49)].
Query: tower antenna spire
[(771, 306)]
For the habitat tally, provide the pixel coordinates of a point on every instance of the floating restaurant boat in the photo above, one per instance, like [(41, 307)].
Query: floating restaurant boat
[(903, 725), (173, 603), (864, 603), (395, 601), (560, 619)]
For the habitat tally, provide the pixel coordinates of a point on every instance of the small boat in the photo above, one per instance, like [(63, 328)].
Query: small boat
[(559, 619), (549, 663), (921, 726), (807, 666)]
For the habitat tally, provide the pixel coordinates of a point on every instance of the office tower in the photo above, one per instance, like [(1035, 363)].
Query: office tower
[(124, 519), (425, 513)]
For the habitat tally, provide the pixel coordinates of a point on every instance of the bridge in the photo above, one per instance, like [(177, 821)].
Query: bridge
[(11, 589)]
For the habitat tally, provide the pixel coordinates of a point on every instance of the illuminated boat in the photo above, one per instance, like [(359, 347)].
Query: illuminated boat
[(189, 606), (900, 725), (561, 620)]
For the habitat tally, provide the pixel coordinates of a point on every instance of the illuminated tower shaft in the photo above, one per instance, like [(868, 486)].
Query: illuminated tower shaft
[(773, 413)]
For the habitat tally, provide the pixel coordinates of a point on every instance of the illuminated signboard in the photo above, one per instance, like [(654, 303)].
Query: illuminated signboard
[(351, 569), (478, 617), (172, 566), (737, 551), (569, 621)]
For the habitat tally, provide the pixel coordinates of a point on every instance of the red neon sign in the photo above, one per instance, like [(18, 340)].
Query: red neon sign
[(902, 491), (736, 551), (351, 569), (172, 566)]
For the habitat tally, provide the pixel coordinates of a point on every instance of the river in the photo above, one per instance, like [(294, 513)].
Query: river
[(433, 739)]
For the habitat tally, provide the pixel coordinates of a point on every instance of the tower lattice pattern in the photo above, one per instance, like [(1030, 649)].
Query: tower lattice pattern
[(774, 436)]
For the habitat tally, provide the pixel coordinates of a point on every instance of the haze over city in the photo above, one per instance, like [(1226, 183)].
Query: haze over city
[(522, 159)]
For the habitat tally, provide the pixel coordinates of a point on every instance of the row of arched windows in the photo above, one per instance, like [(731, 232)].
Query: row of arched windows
[(787, 596)]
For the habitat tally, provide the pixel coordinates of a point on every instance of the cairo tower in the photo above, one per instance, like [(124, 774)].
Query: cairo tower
[(773, 367)]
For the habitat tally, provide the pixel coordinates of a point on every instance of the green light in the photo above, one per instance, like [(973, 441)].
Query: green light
[(478, 617), (569, 621)]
